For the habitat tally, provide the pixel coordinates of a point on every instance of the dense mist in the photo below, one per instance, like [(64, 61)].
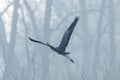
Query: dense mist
[(94, 43)]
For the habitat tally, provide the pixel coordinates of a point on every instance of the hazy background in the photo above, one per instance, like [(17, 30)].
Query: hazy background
[(94, 45)]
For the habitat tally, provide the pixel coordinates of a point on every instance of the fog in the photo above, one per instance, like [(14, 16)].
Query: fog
[(94, 44)]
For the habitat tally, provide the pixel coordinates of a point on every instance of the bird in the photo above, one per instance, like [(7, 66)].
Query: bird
[(61, 49)]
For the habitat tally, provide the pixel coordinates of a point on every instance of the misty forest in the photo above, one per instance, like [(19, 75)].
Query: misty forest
[(94, 44)]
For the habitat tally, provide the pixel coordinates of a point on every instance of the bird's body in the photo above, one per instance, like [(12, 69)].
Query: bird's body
[(65, 40)]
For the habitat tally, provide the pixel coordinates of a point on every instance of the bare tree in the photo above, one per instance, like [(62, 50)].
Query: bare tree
[(3, 45), (3, 36), (47, 32), (32, 70), (98, 40), (10, 55), (87, 41), (112, 70)]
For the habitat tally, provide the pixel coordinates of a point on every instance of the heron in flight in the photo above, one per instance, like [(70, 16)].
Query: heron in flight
[(64, 42)]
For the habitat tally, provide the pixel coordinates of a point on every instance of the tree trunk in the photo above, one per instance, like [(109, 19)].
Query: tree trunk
[(3, 37), (113, 67), (87, 44), (98, 41), (45, 54), (10, 58)]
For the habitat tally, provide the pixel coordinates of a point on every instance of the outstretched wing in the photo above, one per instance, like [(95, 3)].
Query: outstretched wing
[(67, 35), (37, 41)]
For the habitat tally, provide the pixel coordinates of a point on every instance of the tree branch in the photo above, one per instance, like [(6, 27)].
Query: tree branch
[(6, 8)]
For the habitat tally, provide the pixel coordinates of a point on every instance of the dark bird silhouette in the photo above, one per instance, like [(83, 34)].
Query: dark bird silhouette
[(65, 40)]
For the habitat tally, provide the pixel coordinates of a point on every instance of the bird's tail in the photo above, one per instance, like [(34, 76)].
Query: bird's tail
[(37, 41), (69, 58)]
